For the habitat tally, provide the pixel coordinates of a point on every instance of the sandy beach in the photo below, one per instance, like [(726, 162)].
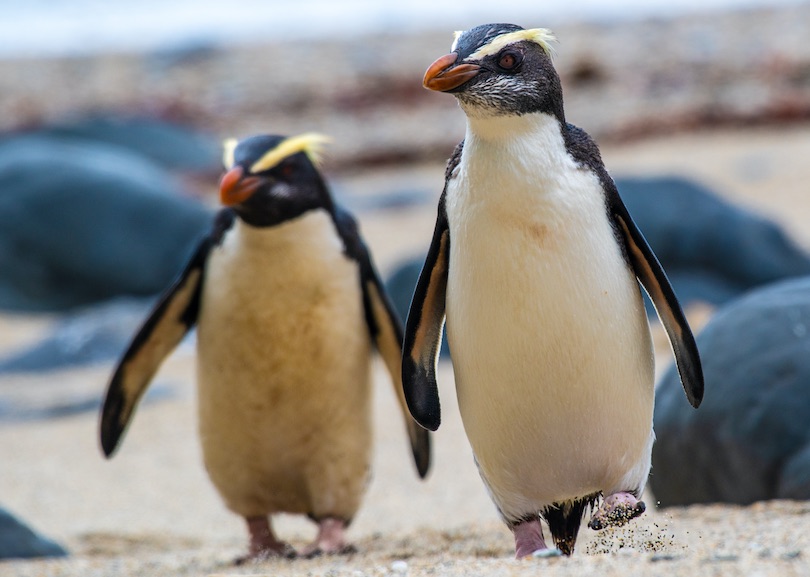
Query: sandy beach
[(151, 510)]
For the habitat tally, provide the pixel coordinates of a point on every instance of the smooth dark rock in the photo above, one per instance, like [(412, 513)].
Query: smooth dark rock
[(168, 144), (750, 439), (97, 334), (401, 283), (712, 250), (82, 222), (94, 334), (17, 541)]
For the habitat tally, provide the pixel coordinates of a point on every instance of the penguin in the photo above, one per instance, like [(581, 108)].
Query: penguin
[(534, 270), (288, 308)]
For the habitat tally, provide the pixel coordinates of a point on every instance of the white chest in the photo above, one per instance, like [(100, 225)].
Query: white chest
[(526, 221), (282, 307), (266, 269)]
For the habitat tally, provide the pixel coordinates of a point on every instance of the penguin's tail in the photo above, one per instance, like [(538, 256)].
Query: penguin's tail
[(564, 520)]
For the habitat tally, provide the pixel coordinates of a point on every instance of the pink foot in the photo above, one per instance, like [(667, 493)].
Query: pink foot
[(263, 542), (616, 510), (331, 539), (528, 538)]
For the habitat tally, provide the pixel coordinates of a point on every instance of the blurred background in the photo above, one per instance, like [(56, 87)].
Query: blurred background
[(111, 118)]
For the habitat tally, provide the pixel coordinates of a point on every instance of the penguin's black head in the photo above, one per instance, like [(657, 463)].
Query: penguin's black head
[(270, 179), (500, 69)]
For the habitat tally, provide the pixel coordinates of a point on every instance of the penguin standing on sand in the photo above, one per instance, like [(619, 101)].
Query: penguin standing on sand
[(535, 265), (288, 306)]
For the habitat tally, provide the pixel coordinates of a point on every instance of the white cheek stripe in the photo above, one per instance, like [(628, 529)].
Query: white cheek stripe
[(228, 148), (541, 36), (456, 35)]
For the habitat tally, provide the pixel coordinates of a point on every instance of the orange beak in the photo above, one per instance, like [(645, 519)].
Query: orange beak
[(234, 188), (443, 76)]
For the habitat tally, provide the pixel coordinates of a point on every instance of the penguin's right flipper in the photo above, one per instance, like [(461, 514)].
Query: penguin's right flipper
[(654, 280), (424, 327), (173, 316)]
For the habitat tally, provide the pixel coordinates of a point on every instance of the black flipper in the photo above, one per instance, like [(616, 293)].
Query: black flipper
[(652, 277), (425, 324), (385, 329), (172, 317)]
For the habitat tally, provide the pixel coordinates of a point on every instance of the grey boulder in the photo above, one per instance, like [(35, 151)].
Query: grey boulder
[(81, 222), (750, 439), (18, 541), (711, 249)]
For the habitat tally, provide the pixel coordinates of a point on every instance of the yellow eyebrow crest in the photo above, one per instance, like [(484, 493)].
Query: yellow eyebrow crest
[(541, 36), (310, 143)]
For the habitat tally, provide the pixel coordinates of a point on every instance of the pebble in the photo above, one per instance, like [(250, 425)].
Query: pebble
[(663, 557), (399, 566), (790, 555), (723, 558)]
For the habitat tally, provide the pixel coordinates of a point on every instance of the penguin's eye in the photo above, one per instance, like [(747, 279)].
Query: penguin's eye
[(286, 170), (508, 60)]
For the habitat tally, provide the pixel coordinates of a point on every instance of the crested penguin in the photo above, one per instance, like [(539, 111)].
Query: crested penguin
[(535, 266), (288, 308)]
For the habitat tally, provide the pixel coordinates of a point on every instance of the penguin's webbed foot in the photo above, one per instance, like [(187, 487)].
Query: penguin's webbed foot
[(529, 541), (263, 543), (616, 510), (331, 540)]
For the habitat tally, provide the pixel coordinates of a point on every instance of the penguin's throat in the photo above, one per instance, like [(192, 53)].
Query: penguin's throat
[(528, 151), (525, 127)]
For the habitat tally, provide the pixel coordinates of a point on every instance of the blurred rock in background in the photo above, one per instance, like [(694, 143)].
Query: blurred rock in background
[(750, 439), (88, 335), (82, 221), (711, 249), (18, 541), (174, 146)]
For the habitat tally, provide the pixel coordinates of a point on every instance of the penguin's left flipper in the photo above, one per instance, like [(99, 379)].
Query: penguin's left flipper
[(652, 277), (424, 328), (385, 329), (172, 317)]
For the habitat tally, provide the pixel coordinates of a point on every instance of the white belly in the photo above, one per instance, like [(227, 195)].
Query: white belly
[(550, 343), (284, 371)]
